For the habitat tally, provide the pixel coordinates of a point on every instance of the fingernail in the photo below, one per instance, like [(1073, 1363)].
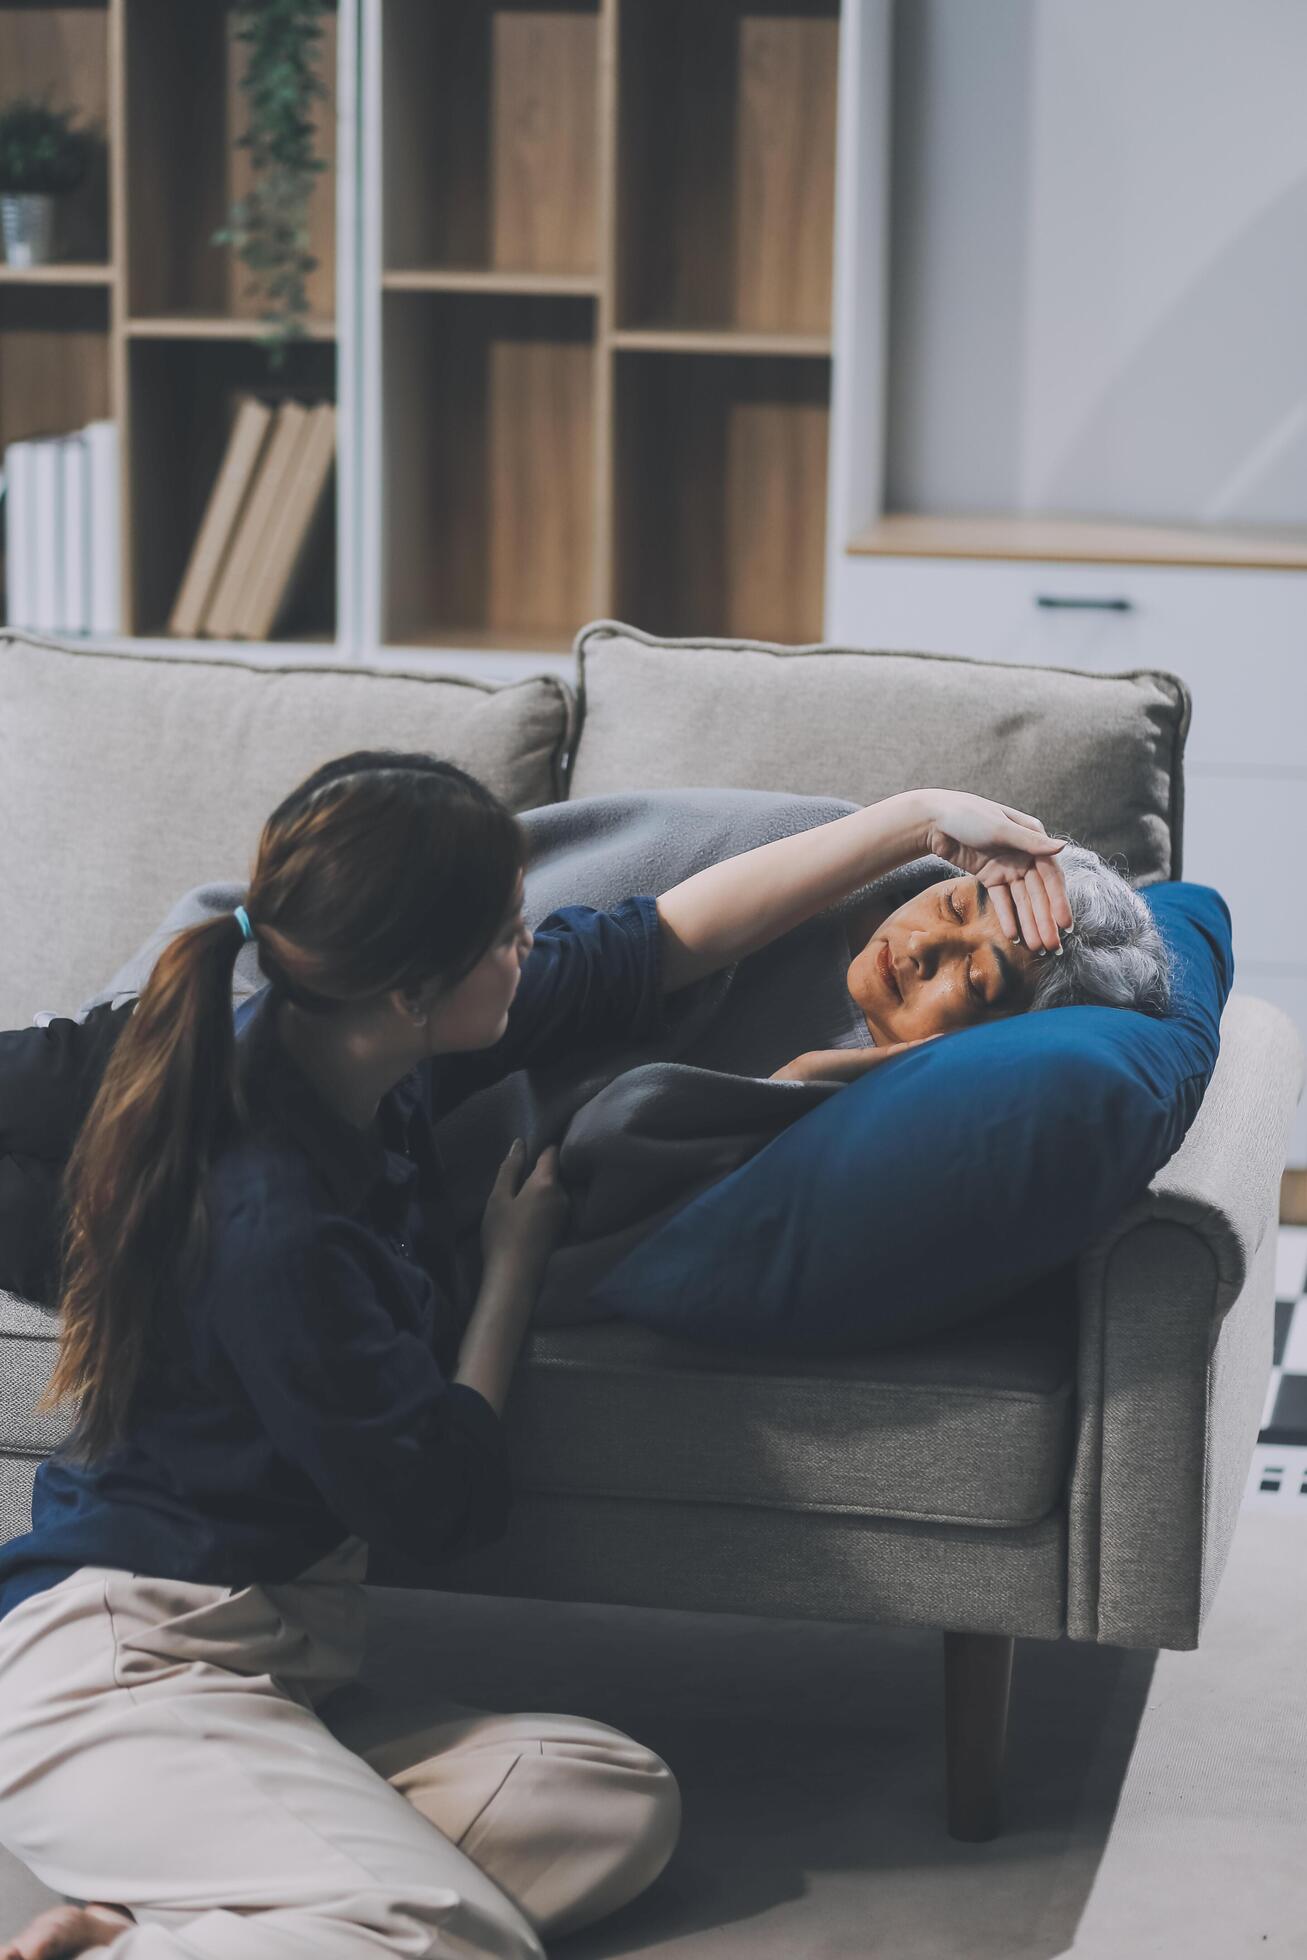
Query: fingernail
[(1017, 940), (1058, 950)]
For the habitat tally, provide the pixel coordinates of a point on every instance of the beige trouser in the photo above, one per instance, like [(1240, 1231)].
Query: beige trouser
[(160, 1748)]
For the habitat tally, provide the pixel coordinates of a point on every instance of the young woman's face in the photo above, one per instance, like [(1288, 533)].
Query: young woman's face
[(475, 1013), (941, 961)]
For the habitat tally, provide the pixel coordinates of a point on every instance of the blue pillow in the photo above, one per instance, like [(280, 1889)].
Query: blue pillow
[(930, 1189)]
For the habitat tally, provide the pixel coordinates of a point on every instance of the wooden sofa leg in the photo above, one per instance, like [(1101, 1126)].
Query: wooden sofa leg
[(977, 1684)]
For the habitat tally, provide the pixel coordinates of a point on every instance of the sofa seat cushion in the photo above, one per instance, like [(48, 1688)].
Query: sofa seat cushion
[(1096, 757), (973, 1426), (126, 778)]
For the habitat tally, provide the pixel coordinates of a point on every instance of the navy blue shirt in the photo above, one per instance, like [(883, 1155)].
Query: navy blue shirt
[(301, 1393)]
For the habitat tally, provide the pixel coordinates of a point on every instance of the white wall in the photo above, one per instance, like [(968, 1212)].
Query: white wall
[(1099, 258)]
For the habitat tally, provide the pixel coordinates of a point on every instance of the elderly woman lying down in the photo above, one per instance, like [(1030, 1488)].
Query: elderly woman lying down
[(951, 957)]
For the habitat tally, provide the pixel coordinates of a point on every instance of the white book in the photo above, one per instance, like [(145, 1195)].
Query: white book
[(18, 534), (105, 598), (76, 540), (47, 599)]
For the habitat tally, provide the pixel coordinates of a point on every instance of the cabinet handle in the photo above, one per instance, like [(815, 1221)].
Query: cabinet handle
[(1086, 605)]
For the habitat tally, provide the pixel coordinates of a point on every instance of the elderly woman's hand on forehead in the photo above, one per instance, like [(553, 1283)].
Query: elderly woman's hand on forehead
[(1011, 854)]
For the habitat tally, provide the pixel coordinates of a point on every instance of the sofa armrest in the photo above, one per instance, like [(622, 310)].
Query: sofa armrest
[(1177, 1313)]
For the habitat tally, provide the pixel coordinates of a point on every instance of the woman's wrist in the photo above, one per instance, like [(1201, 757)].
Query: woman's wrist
[(919, 815), (497, 1327), (512, 1265), (895, 828)]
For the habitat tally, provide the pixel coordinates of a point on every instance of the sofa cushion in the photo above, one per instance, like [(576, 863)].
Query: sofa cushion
[(1097, 757), (973, 1426), (922, 1193), (127, 778)]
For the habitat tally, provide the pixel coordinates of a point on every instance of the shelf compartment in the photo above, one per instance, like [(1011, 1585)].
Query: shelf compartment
[(490, 134), (489, 438), (726, 165), (182, 398), (54, 359), (61, 53), (720, 507), (184, 169)]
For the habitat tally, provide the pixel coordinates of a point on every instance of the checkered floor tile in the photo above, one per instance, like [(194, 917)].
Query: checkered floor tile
[(1277, 1478)]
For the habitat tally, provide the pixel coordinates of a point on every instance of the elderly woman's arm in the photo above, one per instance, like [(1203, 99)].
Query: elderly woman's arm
[(733, 908), (843, 1064)]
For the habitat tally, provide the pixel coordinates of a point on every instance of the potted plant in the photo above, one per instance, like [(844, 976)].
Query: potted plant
[(269, 229), (41, 158)]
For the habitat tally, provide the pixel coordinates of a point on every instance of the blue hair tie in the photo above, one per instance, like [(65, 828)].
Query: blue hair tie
[(246, 928)]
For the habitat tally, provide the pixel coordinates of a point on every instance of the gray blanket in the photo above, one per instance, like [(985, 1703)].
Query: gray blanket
[(642, 1128)]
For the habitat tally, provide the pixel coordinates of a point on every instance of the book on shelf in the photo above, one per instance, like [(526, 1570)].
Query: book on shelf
[(271, 483), (105, 572), (61, 532), (47, 527), (75, 540), (222, 514), (284, 549), (18, 540)]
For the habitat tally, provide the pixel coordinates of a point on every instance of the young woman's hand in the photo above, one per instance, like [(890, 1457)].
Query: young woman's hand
[(1011, 854), (522, 1226), (843, 1064)]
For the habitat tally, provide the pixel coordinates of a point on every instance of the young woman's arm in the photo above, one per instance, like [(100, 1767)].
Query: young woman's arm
[(497, 1328)]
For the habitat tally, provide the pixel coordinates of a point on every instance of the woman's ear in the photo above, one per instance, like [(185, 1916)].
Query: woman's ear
[(415, 1003)]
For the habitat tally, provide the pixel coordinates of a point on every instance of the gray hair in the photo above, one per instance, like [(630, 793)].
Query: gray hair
[(1113, 953)]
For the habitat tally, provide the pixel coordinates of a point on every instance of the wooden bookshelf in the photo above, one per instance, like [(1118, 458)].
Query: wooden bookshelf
[(142, 318), (596, 245), (601, 295)]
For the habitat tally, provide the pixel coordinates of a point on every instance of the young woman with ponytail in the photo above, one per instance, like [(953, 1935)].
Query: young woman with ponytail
[(263, 1333)]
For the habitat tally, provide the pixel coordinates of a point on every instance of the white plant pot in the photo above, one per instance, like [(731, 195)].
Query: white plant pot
[(27, 223)]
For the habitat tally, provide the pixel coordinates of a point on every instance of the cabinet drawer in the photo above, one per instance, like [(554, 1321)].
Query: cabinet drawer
[(1238, 639)]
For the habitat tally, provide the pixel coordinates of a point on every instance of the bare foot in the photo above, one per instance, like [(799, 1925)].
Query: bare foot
[(66, 1930)]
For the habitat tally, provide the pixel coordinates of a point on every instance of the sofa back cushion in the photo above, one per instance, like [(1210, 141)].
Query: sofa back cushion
[(125, 779), (1097, 757)]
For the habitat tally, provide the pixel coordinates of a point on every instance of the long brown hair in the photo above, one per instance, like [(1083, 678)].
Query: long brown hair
[(384, 869)]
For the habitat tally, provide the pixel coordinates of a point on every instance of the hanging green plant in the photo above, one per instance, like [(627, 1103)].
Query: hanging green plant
[(269, 229)]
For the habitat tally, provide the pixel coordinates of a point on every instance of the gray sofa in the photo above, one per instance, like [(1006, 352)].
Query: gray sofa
[(1072, 1465)]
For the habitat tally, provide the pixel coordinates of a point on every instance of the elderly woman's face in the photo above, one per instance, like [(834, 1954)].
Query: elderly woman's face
[(941, 961)]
